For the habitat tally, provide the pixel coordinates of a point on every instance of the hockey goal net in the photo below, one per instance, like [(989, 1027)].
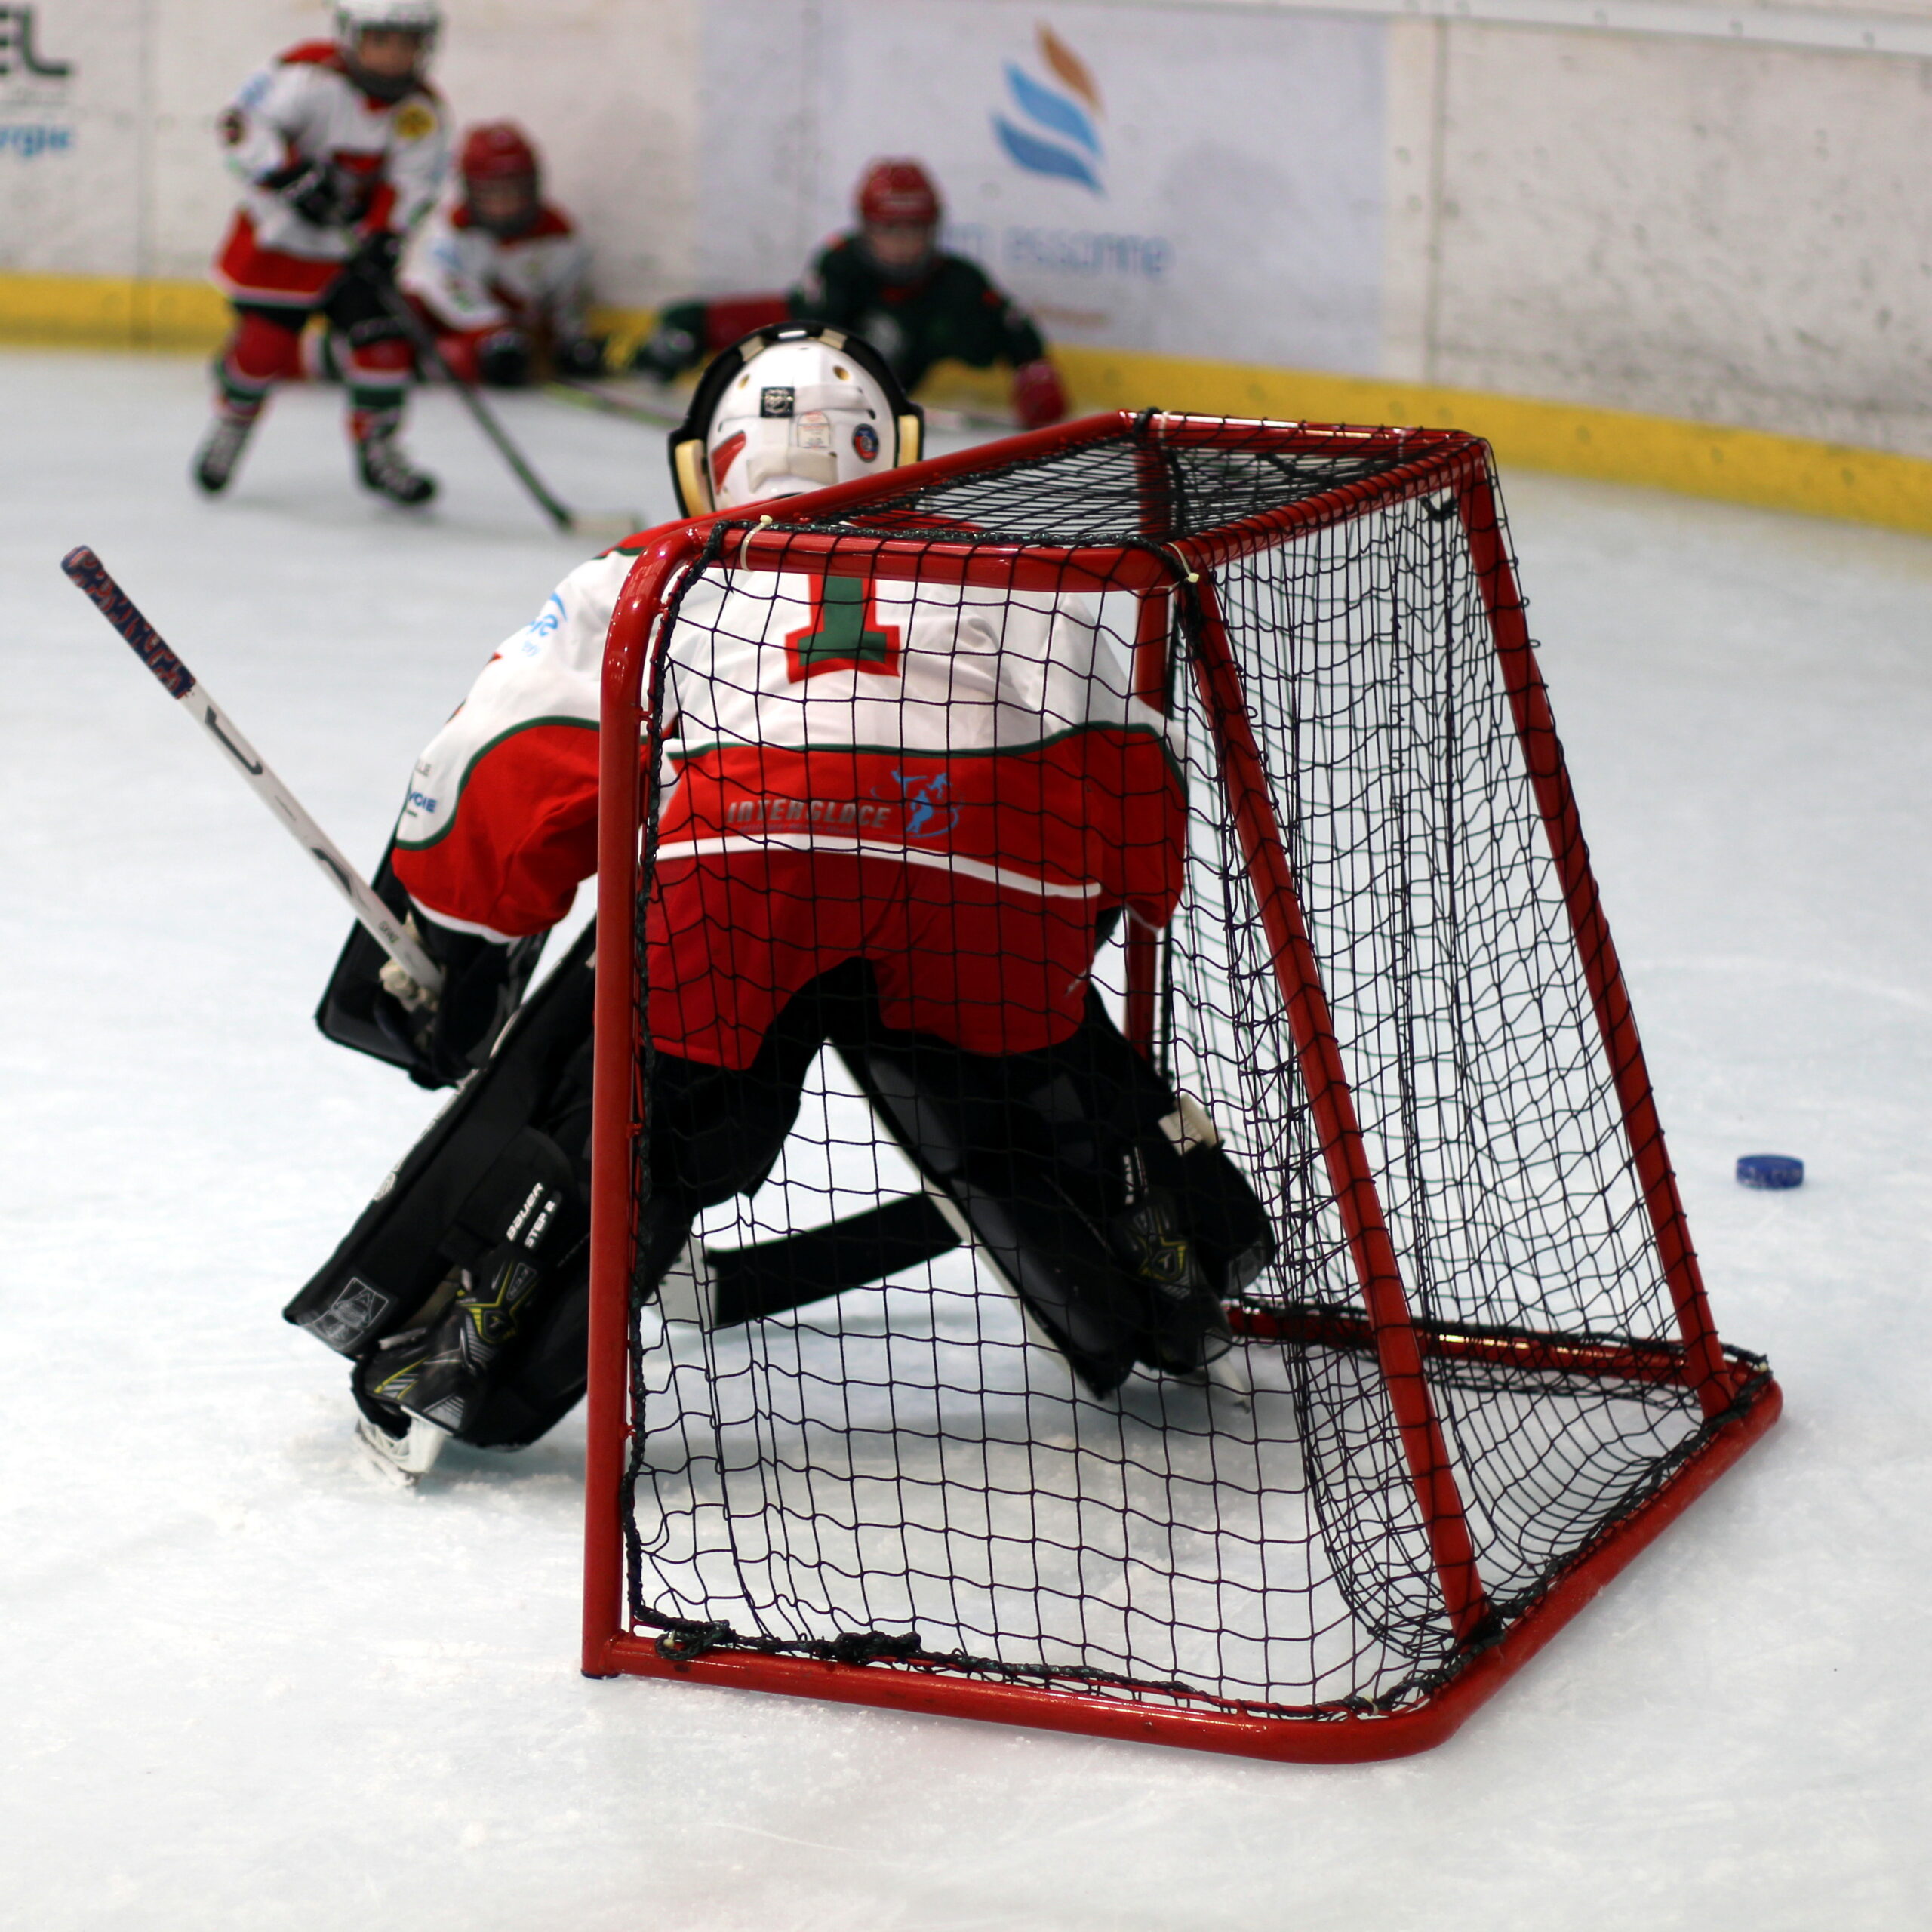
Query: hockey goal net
[(1477, 1372)]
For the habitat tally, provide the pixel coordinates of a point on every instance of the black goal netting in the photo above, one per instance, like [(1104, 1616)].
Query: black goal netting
[(988, 1359)]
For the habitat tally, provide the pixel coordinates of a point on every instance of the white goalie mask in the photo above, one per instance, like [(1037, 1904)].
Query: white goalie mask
[(800, 408)]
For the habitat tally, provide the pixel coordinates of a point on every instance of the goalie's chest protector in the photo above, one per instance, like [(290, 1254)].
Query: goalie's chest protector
[(982, 731)]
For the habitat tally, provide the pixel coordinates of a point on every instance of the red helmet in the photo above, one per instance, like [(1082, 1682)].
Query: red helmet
[(498, 151), (898, 194)]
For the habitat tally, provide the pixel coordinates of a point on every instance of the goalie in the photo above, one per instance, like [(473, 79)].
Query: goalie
[(900, 818)]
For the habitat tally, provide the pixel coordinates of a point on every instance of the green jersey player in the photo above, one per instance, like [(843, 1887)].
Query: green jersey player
[(890, 282)]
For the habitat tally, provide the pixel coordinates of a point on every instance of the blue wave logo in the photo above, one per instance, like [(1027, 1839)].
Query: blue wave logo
[(1059, 138)]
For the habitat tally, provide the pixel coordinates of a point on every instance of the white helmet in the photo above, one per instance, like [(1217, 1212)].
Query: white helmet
[(354, 17), (788, 409)]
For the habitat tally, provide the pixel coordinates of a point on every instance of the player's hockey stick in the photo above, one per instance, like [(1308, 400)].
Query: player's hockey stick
[(608, 525), (91, 574), (661, 413)]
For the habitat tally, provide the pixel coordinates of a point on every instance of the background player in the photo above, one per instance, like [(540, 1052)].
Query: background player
[(342, 148), (890, 282), (501, 275)]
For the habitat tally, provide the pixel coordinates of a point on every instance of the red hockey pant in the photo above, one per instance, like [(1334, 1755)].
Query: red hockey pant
[(731, 937)]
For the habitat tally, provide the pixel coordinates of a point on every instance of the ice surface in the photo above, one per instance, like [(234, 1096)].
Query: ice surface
[(244, 1685)]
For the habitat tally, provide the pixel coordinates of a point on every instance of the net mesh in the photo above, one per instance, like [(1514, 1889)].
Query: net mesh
[(918, 1467)]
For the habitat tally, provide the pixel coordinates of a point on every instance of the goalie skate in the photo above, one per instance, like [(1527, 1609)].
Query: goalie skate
[(402, 1459)]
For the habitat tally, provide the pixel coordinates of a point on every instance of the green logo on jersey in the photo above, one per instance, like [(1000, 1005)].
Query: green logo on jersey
[(847, 634)]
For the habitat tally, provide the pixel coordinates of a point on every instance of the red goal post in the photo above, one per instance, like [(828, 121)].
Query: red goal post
[(1736, 1397)]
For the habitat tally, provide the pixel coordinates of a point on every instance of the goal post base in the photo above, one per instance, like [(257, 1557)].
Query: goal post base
[(1314, 1737)]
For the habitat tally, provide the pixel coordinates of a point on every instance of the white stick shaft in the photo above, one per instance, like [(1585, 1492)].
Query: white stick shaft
[(382, 925), (92, 578)]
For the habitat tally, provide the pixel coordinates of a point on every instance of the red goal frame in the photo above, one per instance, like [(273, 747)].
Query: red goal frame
[(1740, 1403)]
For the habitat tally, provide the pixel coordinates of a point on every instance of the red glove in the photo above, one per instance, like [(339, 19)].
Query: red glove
[(1037, 397)]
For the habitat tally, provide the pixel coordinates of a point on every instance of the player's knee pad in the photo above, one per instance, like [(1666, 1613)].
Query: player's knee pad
[(716, 1131), (503, 359)]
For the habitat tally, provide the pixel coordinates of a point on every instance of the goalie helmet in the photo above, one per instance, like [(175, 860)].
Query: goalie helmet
[(793, 408)]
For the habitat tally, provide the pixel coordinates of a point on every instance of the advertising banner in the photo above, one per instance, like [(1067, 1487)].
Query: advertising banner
[(71, 110), (1192, 182)]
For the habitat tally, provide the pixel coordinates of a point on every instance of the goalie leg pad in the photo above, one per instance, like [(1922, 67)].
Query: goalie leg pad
[(952, 1113), (457, 1191), (1098, 1195), (1119, 1135)]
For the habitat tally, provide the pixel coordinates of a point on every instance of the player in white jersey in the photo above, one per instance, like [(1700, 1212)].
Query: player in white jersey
[(501, 275), (342, 148)]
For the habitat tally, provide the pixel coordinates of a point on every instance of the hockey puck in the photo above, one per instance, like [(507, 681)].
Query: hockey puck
[(1769, 1171)]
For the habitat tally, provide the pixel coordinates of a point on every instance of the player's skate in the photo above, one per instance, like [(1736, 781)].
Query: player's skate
[(220, 451), (401, 1446), (385, 469), (457, 1357), (1184, 1330)]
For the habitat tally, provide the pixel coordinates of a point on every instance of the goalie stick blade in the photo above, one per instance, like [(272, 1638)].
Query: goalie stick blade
[(750, 1283)]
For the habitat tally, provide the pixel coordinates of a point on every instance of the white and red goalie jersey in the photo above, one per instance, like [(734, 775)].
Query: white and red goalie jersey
[(393, 156), (473, 282), (955, 783)]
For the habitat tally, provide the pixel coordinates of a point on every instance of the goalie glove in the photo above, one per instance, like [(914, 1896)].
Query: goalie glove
[(444, 1035)]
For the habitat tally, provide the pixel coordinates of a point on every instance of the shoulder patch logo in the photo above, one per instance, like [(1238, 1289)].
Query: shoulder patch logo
[(414, 119)]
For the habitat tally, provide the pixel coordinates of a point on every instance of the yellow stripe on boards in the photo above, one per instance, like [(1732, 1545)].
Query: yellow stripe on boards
[(111, 312), (1615, 446)]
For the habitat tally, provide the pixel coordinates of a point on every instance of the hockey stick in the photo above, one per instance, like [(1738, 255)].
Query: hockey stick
[(604, 526), (665, 414), (774, 1277), (91, 574)]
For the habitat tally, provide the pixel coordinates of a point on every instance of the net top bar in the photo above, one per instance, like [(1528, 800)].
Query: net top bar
[(1118, 500)]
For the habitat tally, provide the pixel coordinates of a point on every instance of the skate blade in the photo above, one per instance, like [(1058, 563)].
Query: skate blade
[(1227, 1377), (402, 1460), (1228, 1373)]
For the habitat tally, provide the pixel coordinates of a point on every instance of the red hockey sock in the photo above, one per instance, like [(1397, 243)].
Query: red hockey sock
[(260, 354), (378, 374)]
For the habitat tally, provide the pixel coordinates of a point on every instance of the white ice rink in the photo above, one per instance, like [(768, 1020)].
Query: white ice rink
[(245, 1685)]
